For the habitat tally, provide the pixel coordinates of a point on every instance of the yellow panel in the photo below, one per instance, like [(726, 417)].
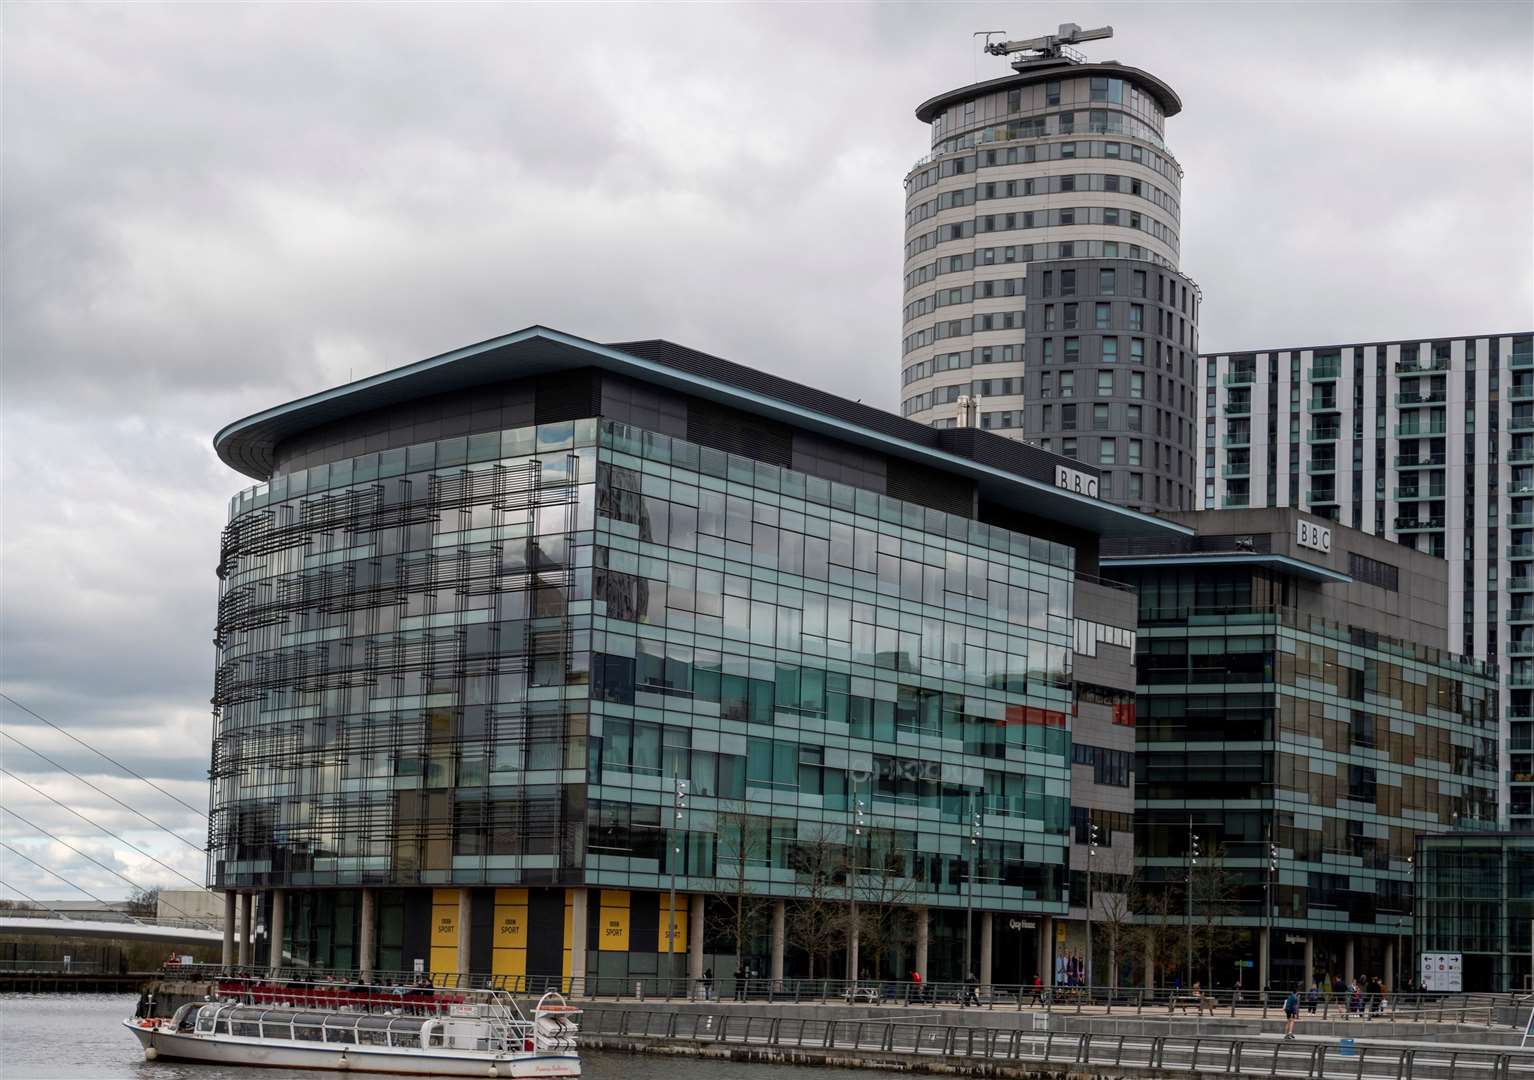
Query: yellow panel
[(511, 896), (511, 926), (444, 922), (444, 959), (615, 921), (564, 960), (509, 962), (681, 923), (444, 896)]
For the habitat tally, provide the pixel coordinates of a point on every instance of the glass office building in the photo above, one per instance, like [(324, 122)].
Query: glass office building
[(486, 616), (1294, 737), (1475, 897)]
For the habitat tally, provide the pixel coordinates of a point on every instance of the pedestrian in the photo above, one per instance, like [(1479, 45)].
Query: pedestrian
[(916, 985), (708, 983), (740, 982), (1312, 998), (1038, 986), (971, 989), (1291, 1012)]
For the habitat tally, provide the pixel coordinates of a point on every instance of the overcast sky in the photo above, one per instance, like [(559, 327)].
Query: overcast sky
[(209, 209)]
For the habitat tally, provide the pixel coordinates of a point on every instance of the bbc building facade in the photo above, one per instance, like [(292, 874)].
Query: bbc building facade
[(485, 615)]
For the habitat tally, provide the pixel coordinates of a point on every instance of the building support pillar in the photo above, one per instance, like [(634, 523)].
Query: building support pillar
[(1150, 964), (1390, 966), (922, 930), (779, 940), (1264, 949), (1310, 960), (465, 917), (579, 898), (230, 905), (1047, 949), (247, 906), (1347, 960), (274, 930), (987, 921), (695, 930), (367, 933)]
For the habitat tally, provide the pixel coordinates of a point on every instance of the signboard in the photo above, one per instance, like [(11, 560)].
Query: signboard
[(1441, 972), (418, 966), (614, 936), (1346, 1048), (1075, 480), (1308, 534)]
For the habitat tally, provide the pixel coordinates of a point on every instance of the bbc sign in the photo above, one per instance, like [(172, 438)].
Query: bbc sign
[(1075, 480), (1308, 534)]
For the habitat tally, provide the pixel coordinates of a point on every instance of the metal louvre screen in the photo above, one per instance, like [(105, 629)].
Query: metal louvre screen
[(740, 433)]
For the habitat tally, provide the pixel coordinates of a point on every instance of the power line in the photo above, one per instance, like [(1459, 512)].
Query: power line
[(119, 802), (38, 716), (103, 828), (31, 900), (58, 875), (131, 883)]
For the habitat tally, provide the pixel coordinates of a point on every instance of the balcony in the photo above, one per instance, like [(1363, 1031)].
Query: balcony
[(1325, 434), (1238, 408), (1521, 584), (1409, 494), (1521, 392), (1319, 405), (1520, 521), (1243, 468), (1415, 366), (1240, 438), (1239, 378), (1423, 431), (1520, 423), (1322, 467), (1520, 489), (1415, 525), (1416, 461), (1520, 551), (1521, 361), (1325, 372), (1412, 401), (1521, 456), (1324, 498), (1521, 648), (1520, 616), (1235, 501)]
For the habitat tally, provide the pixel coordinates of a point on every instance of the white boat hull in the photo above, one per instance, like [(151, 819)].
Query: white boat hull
[(162, 1042)]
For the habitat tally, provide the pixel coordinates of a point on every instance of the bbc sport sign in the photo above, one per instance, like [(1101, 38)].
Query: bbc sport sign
[(1441, 972)]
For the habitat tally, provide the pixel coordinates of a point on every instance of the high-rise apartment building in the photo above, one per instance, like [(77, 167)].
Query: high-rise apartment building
[(1041, 265), (1429, 443)]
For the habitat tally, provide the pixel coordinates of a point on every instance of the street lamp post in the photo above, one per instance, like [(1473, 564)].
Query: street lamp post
[(969, 900), (852, 892), (1267, 904), (1188, 917), (679, 806), (1091, 855)]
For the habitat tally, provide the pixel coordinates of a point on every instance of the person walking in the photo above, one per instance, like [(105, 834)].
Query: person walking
[(1291, 1012), (1038, 986), (971, 989)]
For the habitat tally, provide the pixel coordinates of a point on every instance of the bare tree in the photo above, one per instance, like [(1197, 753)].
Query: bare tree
[(1154, 903), (884, 890), (1214, 897), (817, 920), (144, 903), (1114, 916), (738, 910)]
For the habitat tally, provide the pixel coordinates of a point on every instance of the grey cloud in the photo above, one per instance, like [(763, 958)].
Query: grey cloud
[(209, 209)]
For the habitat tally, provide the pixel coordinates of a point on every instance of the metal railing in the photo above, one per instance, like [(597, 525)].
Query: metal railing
[(1249, 1056), (267, 984)]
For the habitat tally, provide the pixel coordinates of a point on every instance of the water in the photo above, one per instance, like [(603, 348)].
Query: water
[(80, 1037)]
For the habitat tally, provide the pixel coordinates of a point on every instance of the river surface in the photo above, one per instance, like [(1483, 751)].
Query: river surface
[(80, 1037)]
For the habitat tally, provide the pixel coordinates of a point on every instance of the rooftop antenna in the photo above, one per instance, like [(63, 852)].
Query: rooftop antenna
[(1049, 47)]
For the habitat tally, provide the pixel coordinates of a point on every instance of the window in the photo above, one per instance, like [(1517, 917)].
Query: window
[(1136, 384), (1067, 418), (1049, 351), (1137, 285), (1136, 317), (1070, 315), (1068, 447), (1049, 316), (1100, 314), (1137, 350), (1067, 283), (1110, 249), (1110, 217), (1067, 250), (1110, 350), (1046, 384), (1104, 384), (1136, 485), (1072, 349), (1067, 384), (1136, 448), (1107, 452), (1099, 416), (1132, 417), (1105, 281)]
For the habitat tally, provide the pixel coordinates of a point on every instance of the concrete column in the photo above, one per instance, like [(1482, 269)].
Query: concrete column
[(922, 930), (984, 973), (695, 930), (1310, 960), (853, 936), (578, 901), (1047, 949), (1262, 958), (366, 945), (779, 939), (229, 918), (465, 914), (1150, 966), (1390, 965), (1347, 960), (247, 906), (274, 929)]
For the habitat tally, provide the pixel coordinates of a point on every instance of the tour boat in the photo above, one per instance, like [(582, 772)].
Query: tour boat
[(469, 1033)]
